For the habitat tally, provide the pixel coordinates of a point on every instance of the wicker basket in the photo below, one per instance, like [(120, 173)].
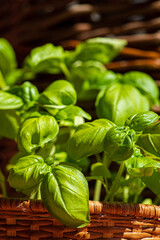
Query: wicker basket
[(29, 219)]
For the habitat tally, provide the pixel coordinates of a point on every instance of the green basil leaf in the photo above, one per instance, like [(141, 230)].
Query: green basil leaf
[(7, 57), (150, 138), (35, 132), (89, 77), (100, 170), (88, 139), (9, 101), (138, 165), (27, 92), (99, 49), (153, 182), (118, 143), (45, 59), (58, 95), (28, 173), (71, 112), (18, 75), (144, 83), (65, 195), (140, 121), (119, 101), (9, 124)]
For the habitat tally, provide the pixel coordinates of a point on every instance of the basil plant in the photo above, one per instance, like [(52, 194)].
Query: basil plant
[(134, 147), (36, 171)]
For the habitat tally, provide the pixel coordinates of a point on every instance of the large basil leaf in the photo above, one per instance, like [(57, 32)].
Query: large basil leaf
[(88, 139), (138, 165), (140, 121), (7, 57), (27, 92), (118, 143), (65, 195), (9, 101), (35, 132), (144, 83), (119, 101), (71, 112), (58, 94), (150, 138), (152, 182), (9, 124), (46, 58), (28, 173), (99, 49)]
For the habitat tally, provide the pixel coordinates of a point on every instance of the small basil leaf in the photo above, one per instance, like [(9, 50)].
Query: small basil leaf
[(138, 165), (140, 121), (9, 101), (71, 112), (27, 92), (65, 195), (118, 143), (144, 83), (119, 101), (99, 169), (58, 94), (45, 59), (35, 132), (9, 124), (150, 138), (99, 49), (27, 173), (88, 139), (7, 57)]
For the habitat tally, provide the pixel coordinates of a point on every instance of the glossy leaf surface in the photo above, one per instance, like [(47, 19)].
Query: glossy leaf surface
[(65, 195)]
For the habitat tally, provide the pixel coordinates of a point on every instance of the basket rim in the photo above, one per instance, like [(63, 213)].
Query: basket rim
[(29, 207)]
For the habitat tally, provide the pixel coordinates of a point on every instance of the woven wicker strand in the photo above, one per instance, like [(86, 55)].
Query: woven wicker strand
[(28, 219)]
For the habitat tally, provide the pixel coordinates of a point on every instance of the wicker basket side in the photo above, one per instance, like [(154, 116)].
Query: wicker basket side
[(20, 219)]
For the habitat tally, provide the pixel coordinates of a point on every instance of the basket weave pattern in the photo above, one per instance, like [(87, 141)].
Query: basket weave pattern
[(29, 219)]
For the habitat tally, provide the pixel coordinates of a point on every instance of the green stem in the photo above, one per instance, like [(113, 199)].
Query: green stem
[(97, 191), (3, 184), (2, 81), (137, 195), (113, 189), (65, 71)]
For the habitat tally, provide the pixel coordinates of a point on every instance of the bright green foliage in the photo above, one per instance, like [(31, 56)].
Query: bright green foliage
[(71, 112), (7, 57), (35, 132), (88, 139), (149, 140), (119, 101), (118, 143), (140, 121), (9, 122), (100, 169), (99, 49), (27, 92), (27, 174), (58, 95), (45, 59), (9, 101), (144, 83), (65, 194), (139, 166)]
